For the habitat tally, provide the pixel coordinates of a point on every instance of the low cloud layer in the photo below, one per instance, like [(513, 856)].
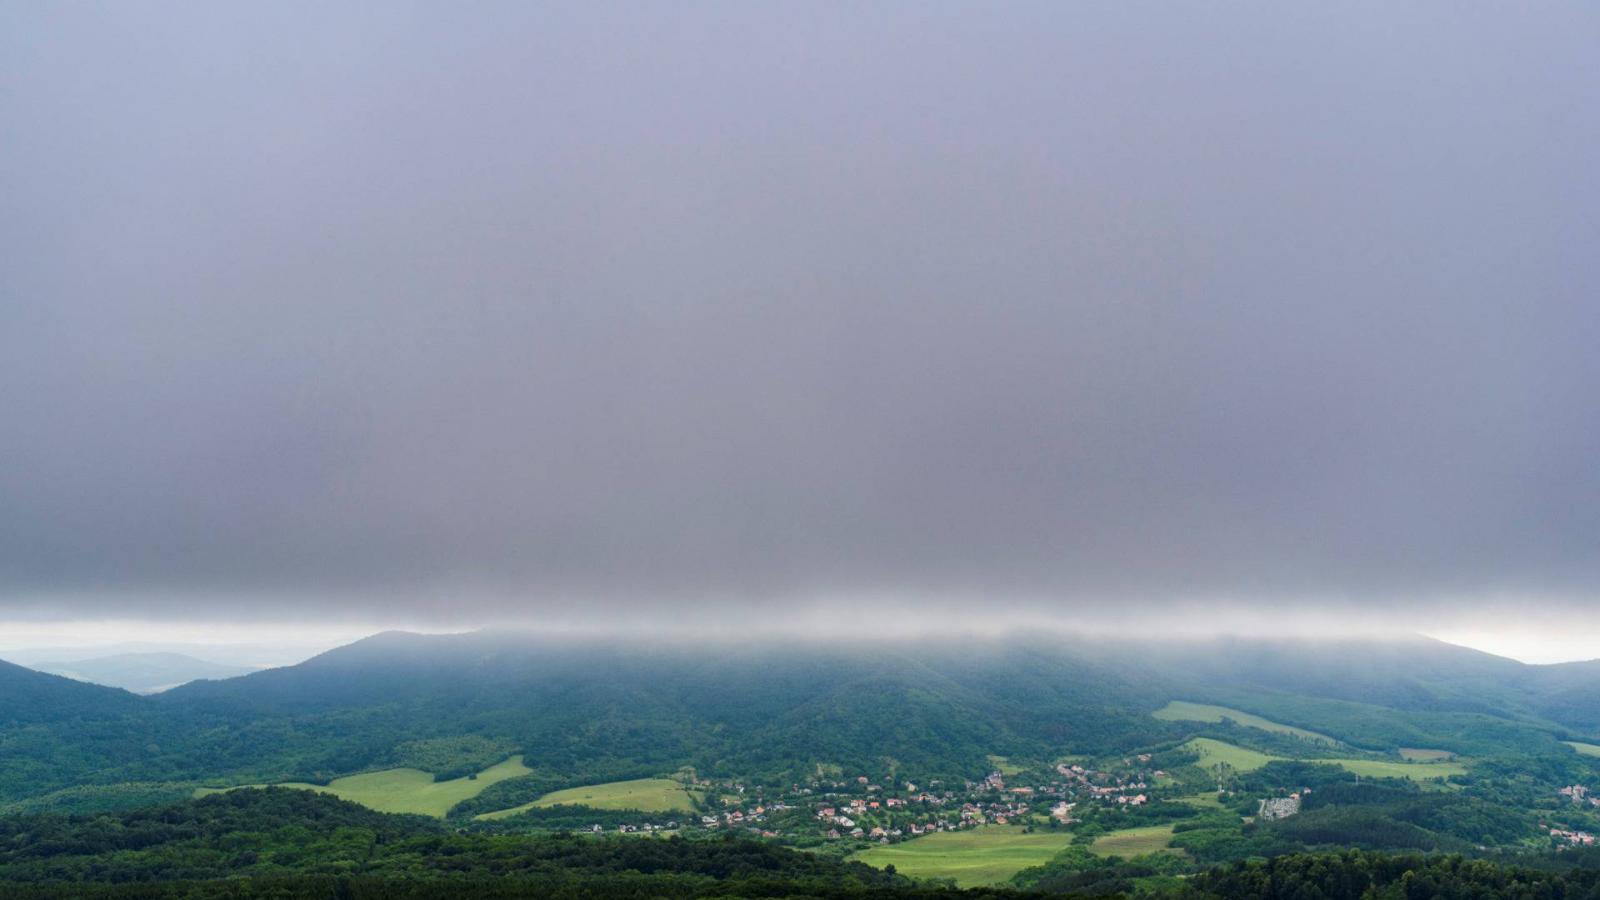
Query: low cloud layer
[(505, 311)]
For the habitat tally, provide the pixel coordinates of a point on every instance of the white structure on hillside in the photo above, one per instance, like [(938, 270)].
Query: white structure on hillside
[(1278, 808)]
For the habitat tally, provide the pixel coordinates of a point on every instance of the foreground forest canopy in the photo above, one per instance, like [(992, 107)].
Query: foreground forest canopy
[(284, 843), (1046, 766)]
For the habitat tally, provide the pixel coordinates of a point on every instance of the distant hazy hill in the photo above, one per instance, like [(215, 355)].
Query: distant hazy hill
[(142, 673), (251, 656)]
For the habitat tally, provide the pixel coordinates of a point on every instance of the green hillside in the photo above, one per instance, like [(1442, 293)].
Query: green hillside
[(1184, 711), (645, 794), (606, 712), (406, 790), (1240, 759), (878, 752)]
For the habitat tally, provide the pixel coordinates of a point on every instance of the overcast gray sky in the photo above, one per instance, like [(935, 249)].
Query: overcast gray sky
[(457, 313)]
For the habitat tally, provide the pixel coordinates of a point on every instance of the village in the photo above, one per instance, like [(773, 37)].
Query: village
[(884, 810)]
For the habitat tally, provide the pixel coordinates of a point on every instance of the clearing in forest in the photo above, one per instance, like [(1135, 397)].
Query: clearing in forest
[(974, 858), (644, 794), (1131, 842), (405, 790), (1184, 711)]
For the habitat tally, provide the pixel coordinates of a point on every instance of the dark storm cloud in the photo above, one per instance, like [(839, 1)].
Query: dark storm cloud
[(509, 304)]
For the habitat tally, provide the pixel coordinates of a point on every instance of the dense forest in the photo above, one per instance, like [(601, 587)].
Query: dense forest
[(284, 843), (96, 784), (1358, 875), (297, 843), (586, 713)]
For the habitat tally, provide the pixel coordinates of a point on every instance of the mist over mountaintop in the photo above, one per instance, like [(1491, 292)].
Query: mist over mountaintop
[(640, 706), (749, 311)]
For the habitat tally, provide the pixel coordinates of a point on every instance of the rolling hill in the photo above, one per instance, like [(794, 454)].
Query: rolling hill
[(590, 712)]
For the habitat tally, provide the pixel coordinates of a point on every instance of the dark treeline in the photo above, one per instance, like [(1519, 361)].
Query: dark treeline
[(1362, 875), (280, 843)]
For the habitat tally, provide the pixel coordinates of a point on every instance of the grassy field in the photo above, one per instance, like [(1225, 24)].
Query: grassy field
[(1205, 800), (1243, 760), (1184, 711), (406, 790), (1420, 754), (1131, 842), (1004, 766), (1416, 771), (648, 794), (1213, 752), (1585, 749), (987, 855)]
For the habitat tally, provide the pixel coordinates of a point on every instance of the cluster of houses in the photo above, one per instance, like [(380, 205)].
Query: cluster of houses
[(639, 829), (1113, 789), (1572, 838), (735, 818), (1579, 794), (929, 812), (887, 810)]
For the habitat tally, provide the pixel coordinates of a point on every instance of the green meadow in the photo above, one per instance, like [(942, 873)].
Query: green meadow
[(1184, 711), (1585, 749), (1004, 766), (647, 794), (405, 790), (1416, 771), (1213, 752), (1131, 842), (1205, 800), (976, 857)]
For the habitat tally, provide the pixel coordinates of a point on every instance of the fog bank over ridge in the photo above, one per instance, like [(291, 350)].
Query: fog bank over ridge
[(1537, 640), (926, 316)]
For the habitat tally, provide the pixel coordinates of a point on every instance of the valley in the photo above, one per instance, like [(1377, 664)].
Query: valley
[(1003, 766)]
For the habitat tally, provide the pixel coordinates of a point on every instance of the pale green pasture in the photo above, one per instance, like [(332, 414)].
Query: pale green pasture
[(1004, 766), (1184, 711), (1212, 752), (1131, 842), (979, 856), (647, 794), (406, 790), (1416, 771)]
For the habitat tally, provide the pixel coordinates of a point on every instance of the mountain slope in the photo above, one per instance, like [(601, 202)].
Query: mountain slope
[(761, 705), (55, 731), (598, 710)]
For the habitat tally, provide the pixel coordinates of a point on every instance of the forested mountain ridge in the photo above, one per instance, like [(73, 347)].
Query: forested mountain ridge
[(28, 696), (615, 709), (1062, 741)]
